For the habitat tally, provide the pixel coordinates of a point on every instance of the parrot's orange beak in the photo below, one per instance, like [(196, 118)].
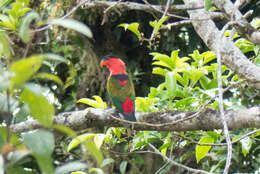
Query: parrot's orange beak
[(102, 63)]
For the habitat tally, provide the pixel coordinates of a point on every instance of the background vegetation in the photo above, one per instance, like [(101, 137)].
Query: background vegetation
[(50, 53)]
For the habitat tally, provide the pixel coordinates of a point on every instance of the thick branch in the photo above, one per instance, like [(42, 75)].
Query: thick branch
[(124, 6), (230, 54), (243, 27), (141, 7), (207, 120)]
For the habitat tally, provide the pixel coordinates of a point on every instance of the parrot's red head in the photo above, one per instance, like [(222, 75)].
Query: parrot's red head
[(114, 65)]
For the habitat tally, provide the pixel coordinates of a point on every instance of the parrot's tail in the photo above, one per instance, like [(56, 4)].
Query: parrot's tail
[(130, 116)]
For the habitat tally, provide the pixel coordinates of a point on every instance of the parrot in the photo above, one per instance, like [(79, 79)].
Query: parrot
[(120, 87)]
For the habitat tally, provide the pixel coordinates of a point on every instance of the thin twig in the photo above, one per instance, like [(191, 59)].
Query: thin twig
[(9, 116), (222, 115), (240, 3), (168, 14), (220, 144), (63, 17), (176, 163), (161, 168), (169, 25), (167, 8), (108, 9)]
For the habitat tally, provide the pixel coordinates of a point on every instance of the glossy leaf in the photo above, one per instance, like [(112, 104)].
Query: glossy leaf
[(204, 82), (246, 145), (23, 70), (18, 155), (54, 57), (79, 139), (97, 103), (66, 130), (107, 161), (98, 139), (201, 151), (97, 171), (24, 30), (159, 71), (257, 60), (94, 150), (208, 5), (48, 76), (41, 143), (208, 56), (3, 3), (122, 167), (70, 167), (133, 27), (74, 25), (170, 80), (39, 106), (78, 172), (163, 60), (158, 24), (4, 45)]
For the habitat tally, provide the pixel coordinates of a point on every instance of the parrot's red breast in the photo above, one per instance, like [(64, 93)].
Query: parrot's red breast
[(120, 88)]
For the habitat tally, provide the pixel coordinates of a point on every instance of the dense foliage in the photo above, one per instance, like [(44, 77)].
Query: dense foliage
[(49, 64)]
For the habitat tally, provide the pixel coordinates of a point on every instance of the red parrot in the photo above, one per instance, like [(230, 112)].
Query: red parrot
[(120, 87)]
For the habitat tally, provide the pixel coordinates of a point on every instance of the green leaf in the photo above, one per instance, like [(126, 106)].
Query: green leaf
[(18, 155), (48, 76), (81, 138), (133, 27), (24, 30), (164, 60), (159, 71), (94, 150), (70, 167), (208, 56), (45, 163), (97, 103), (78, 172), (158, 24), (97, 170), (122, 167), (107, 161), (91, 145), (66, 130), (246, 145), (3, 3), (208, 5), (4, 45), (23, 69), (39, 106), (74, 25), (17, 170), (201, 151), (255, 22), (55, 57), (99, 139), (257, 60), (204, 82), (41, 143), (170, 80)]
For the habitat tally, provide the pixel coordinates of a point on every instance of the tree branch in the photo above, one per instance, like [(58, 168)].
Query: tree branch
[(230, 54), (209, 119), (178, 164), (242, 26)]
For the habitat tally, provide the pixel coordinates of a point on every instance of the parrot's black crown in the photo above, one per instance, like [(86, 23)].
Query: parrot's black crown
[(108, 57)]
